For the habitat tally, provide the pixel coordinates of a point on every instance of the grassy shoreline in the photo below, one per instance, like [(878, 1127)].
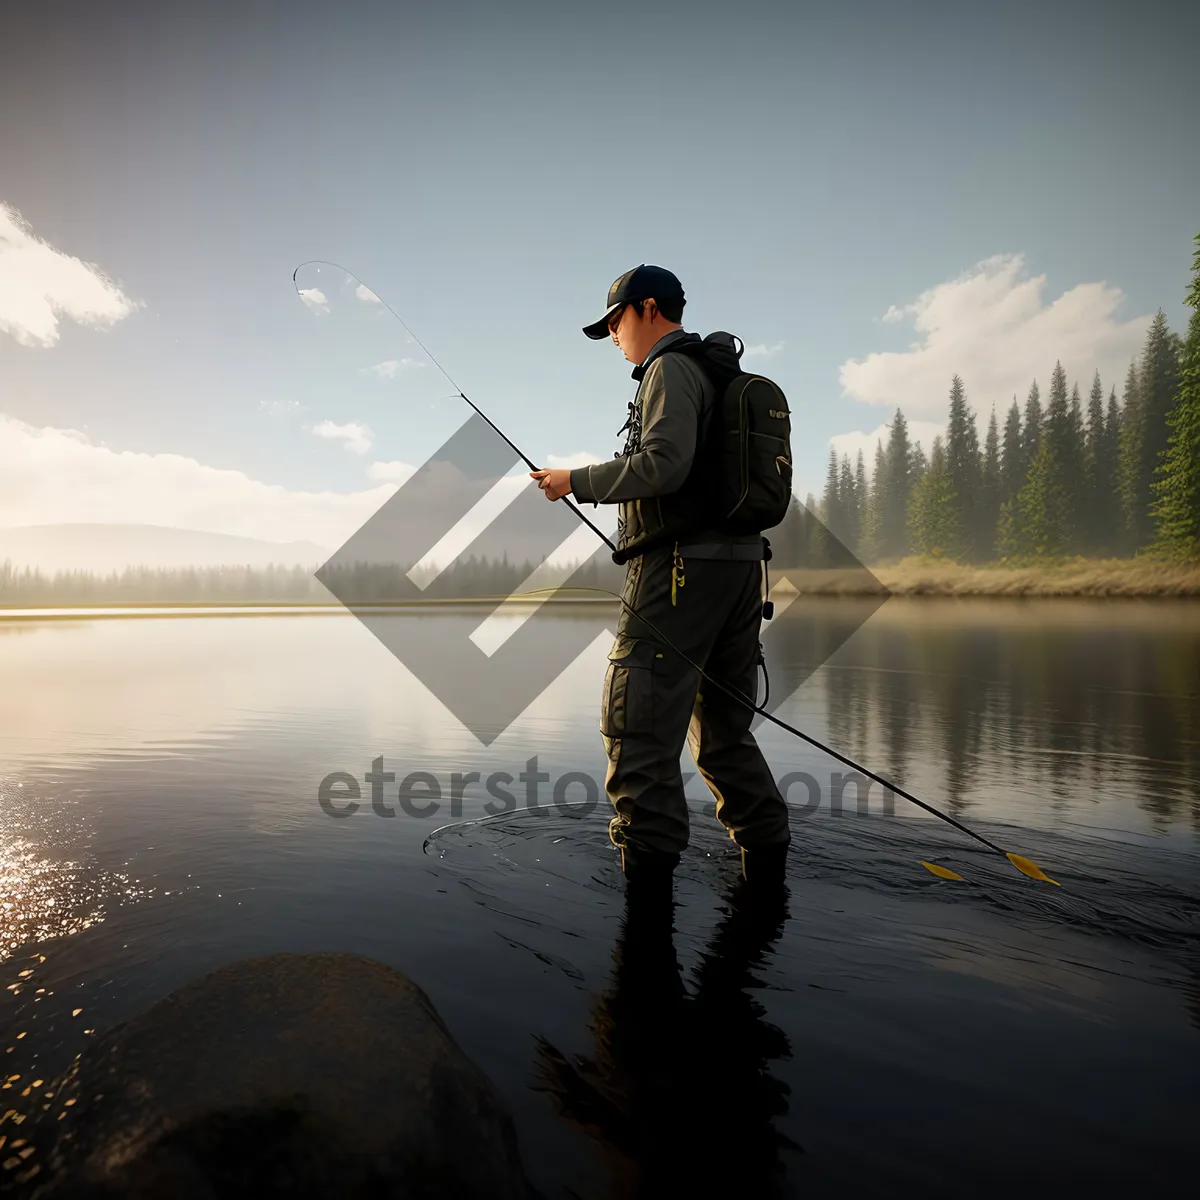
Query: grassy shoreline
[(1139, 577), (908, 577)]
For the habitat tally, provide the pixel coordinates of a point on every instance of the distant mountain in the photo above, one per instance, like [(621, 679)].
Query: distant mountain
[(104, 548)]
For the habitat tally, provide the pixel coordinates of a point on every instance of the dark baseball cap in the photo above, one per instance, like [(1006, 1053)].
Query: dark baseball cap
[(642, 283)]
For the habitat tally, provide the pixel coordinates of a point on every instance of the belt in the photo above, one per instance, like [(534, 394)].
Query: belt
[(734, 551)]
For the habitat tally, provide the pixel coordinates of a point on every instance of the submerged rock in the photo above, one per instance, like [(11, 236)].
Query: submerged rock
[(293, 1075)]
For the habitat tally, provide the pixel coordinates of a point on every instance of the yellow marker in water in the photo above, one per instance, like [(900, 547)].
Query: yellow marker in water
[(942, 872), (1030, 868)]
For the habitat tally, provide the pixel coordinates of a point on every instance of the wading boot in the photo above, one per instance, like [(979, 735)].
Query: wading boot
[(765, 866), (648, 872)]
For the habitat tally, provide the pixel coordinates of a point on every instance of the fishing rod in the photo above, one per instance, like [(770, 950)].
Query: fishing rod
[(1024, 865)]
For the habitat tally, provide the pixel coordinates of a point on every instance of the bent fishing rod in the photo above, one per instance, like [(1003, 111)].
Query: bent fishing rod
[(1024, 865)]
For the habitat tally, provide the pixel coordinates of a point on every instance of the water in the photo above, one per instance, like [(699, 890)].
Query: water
[(159, 817)]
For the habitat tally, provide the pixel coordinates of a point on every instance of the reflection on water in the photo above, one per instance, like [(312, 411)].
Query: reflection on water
[(644, 1093), (159, 816), (1034, 710), (888, 1022)]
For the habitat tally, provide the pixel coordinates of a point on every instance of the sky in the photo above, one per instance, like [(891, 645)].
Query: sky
[(871, 196)]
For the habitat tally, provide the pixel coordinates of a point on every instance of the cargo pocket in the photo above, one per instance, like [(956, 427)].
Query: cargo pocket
[(628, 707)]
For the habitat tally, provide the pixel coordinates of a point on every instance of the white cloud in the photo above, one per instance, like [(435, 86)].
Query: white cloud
[(355, 436), (995, 329), (570, 461), (894, 314), (761, 350), (855, 440), (390, 472), (315, 299), (52, 476), (389, 368), (39, 284), (364, 293)]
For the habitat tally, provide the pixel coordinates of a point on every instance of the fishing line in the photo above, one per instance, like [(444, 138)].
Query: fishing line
[(321, 262), (1024, 865)]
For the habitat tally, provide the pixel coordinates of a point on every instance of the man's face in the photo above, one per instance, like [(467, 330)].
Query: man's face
[(634, 334)]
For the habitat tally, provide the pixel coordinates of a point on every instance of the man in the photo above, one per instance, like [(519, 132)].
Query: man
[(699, 587)]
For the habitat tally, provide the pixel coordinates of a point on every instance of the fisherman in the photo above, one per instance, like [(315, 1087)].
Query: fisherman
[(698, 586)]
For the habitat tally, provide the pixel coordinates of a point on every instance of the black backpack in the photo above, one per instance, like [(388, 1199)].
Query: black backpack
[(747, 445)]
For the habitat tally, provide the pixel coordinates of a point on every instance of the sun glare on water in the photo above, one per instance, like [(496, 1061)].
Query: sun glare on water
[(42, 898)]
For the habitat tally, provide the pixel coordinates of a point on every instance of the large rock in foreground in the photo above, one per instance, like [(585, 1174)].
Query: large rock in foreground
[(294, 1075)]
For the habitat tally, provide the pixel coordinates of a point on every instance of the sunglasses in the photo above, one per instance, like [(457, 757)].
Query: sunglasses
[(615, 319)]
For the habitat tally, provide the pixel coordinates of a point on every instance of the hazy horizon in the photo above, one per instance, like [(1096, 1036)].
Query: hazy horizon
[(105, 546)]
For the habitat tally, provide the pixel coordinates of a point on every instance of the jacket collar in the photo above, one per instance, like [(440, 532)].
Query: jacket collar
[(663, 344)]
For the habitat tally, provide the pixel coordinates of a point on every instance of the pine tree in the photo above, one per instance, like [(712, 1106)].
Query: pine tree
[(1037, 527), (862, 504), (895, 490), (830, 506), (863, 496), (1032, 429), (1157, 379), (1128, 456), (1097, 485), (1012, 461), (1041, 521), (848, 503), (789, 539), (1055, 528), (1008, 534), (814, 544), (872, 534), (990, 491), (1056, 414), (1112, 432), (918, 467), (1176, 509), (962, 462), (1108, 477), (934, 517), (831, 512), (1074, 470)]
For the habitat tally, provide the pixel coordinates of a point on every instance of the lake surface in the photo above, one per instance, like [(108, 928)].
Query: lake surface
[(159, 817)]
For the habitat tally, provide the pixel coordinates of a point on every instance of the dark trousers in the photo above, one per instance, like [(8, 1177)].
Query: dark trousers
[(653, 701)]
